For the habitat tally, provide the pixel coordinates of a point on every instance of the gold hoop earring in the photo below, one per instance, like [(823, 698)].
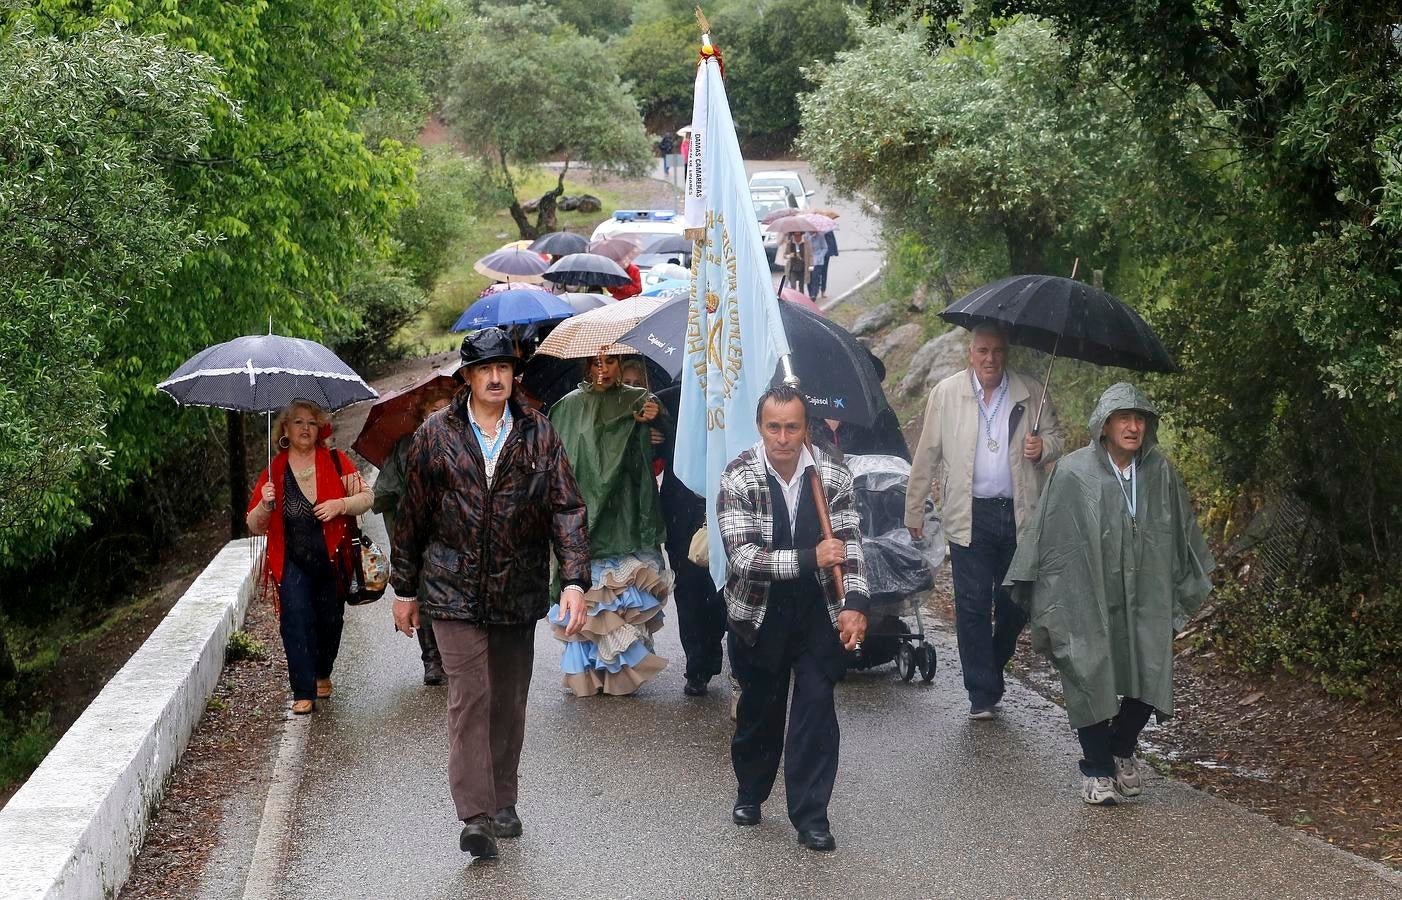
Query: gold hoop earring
[(283, 443)]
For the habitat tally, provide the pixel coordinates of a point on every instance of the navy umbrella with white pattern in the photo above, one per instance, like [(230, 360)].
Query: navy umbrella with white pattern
[(264, 373)]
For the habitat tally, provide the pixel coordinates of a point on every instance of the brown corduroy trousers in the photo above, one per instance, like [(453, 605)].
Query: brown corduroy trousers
[(489, 676)]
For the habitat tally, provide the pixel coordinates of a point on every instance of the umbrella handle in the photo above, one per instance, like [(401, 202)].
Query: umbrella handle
[(1042, 403), (820, 500)]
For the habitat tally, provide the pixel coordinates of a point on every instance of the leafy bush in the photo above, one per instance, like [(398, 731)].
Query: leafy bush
[(242, 646), (1348, 636), (23, 745)]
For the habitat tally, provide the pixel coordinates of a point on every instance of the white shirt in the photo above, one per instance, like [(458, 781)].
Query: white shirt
[(792, 489), (993, 473), (491, 449)]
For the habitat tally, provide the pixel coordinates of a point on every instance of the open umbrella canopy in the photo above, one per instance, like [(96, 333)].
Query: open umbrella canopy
[(818, 221), (667, 288), (671, 243), (802, 299), (518, 306), (397, 414), (836, 372), (597, 331), (582, 303), (1064, 317), (801, 223), (264, 373), (560, 243), (618, 249), (512, 265), (548, 378), (587, 269)]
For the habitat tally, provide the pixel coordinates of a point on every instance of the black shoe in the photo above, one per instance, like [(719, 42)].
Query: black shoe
[(508, 824), (745, 814), (433, 672), (819, 839), (479, 838), (695, 687)]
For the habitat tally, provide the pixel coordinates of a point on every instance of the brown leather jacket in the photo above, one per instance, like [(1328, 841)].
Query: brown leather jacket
[(482, 554)]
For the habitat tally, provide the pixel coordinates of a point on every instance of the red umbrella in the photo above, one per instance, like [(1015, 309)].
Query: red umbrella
[(802, 299), (396, 414)]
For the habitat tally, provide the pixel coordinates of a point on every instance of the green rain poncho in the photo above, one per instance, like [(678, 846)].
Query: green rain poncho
[(612, 461), (1106, 592)]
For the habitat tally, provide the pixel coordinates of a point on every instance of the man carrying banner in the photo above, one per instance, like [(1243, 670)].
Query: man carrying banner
[(786, 613)]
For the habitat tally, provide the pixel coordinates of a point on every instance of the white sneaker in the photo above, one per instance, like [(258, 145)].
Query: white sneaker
[(1127, 778), (1099, 791)]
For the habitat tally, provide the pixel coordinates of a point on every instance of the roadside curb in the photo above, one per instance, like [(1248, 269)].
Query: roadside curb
[(75, 826)]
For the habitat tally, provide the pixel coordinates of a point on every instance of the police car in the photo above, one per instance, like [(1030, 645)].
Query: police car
[(650, 224)]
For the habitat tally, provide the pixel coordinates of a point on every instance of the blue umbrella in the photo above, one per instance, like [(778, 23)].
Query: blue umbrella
[(518, 306), (665, 287)]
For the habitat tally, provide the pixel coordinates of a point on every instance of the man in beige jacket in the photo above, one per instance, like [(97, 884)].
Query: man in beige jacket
[(977, 438)]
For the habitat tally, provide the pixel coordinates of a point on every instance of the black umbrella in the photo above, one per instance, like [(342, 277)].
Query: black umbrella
[(264, 373), (672, 243), (548, 378), (1063, 317), (587, 269), (836, 372), (560, 243)]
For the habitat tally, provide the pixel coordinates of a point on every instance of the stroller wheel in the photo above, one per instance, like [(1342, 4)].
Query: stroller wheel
[(927, 662), (905, 662)]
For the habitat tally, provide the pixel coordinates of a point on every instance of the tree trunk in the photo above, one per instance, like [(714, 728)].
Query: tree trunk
[(7, 663), (1025, 253), (518, 215), (238, 474), (523, 224), (545, 212)]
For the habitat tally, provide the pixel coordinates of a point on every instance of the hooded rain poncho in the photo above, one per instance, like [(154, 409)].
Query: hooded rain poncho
[(1106, 592), (611, 455)]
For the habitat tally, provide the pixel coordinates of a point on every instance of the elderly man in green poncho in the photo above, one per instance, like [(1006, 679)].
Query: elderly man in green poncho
[(1112, 567)]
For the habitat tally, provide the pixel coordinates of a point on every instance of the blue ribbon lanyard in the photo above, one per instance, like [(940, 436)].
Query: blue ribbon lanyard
[(1132, 495)]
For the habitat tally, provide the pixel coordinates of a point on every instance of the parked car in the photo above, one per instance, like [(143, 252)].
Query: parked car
[(650, 224), (766, 200), (783, 178)]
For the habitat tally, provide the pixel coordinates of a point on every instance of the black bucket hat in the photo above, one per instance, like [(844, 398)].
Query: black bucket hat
[(489, 345)]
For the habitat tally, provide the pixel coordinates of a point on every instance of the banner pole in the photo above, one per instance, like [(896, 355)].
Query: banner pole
[(820, 496)]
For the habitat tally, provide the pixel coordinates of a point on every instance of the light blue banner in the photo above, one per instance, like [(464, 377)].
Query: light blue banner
[(734, 336)]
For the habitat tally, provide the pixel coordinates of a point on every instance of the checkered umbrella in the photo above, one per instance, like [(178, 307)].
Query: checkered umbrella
[(597, 331)]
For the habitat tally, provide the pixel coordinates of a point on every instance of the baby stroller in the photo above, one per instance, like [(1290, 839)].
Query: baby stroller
[(898, 569)]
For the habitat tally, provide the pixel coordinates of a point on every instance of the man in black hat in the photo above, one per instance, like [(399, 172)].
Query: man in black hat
[(488, 489)]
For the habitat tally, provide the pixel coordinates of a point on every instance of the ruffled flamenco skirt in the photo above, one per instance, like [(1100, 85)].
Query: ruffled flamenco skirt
[(613, 653)]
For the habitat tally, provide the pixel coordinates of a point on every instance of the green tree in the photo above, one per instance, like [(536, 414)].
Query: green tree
[(657, 60), (1276, 278), (767, 49), (527, 90), (982, 151), (88, 221), (288, 189)]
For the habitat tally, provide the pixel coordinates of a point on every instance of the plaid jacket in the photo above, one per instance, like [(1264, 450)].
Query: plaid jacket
[(745, 514)]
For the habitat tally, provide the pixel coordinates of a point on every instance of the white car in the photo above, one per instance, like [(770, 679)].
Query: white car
[(783, 178), (650, 224)]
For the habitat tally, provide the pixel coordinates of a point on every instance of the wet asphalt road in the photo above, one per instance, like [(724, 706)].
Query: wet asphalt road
[(631, 796)]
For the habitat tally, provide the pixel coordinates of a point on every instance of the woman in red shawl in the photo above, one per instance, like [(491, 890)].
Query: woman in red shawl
[(302, 502)]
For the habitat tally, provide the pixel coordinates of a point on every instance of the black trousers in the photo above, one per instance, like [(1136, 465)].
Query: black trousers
[(797, 642), (700, 619), (1103, 741)]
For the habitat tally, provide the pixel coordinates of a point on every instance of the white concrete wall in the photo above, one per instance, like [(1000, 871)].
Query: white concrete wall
[(75, 826)]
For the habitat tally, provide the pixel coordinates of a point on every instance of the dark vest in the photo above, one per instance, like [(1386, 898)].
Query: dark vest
[(797, 606)]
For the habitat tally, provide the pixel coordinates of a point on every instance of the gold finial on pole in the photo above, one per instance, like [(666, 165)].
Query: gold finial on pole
[(701, 21)]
